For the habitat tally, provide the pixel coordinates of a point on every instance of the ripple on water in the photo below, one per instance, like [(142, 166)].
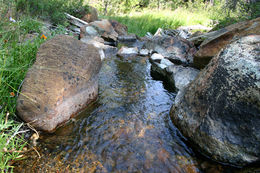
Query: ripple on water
[(127, 130)]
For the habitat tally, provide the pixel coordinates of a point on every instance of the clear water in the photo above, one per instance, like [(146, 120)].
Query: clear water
[(128, 129)]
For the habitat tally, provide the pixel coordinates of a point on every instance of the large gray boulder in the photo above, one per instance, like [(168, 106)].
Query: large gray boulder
[(61, 82), (219, 112), (176, 49)]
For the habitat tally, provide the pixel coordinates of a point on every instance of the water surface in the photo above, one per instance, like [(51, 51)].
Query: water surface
[(128, 129)]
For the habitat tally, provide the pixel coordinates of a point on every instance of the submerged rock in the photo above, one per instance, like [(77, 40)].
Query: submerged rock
[(214, 41), (61, 82), (219, 112)]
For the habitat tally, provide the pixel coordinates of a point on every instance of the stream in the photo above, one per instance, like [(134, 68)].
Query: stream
[(128, 129)]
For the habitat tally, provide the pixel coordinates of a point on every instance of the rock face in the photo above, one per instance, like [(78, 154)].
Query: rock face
[(62, 81), (127, 52), (181, 76), (215, 41), (91, 16), (101, 28), (119, 28), (220, 110), (176, 49)]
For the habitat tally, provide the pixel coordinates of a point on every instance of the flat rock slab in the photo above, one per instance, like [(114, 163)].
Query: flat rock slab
[(216, 40), (219, 112), (61, 82)]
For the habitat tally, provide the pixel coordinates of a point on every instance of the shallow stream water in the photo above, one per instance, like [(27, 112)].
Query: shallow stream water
[(128, 129)]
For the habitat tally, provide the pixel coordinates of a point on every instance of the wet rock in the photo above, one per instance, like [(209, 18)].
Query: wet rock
[(213, 42), (91, 16), (127, 52), (119, 28), (176, 49), (166, 62), (144, 52), (101, 28), (180, 76), (61, 82), (158, 71), (104, 50), (156, 57), (219, 112)]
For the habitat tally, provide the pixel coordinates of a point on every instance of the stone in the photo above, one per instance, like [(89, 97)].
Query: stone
[(166, 62), (176, 49), (144, 52), (127, 38), (91, 31), (119, 28), (156, 57), (214, 42), (180, 77), (104, 50), (62, 81), (219, 112), (127, 52), (101, 28), (91, 16), (158, 71)]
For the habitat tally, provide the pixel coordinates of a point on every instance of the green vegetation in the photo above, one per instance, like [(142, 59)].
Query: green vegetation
[(149, 21), (52, 9), (16, 56), (141, 19), (19, 42)]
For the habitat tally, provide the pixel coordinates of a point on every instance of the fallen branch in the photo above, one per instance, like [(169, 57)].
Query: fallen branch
[(75, 21)]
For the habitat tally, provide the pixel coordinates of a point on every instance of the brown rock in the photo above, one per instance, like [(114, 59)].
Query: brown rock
[(119, 28), (101, 28), (91, 16), (62, 81), (218, 40)]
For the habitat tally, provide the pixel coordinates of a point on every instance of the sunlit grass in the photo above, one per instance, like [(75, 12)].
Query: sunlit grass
[(149, 21)]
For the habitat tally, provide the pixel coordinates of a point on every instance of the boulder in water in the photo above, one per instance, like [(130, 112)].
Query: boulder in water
[(61, 82), (219, 112)]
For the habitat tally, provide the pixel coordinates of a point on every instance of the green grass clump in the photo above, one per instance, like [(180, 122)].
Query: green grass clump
[(16, 56), (149, 21)]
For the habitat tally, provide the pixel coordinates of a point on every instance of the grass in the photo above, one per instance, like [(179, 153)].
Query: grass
[(17, 54), (149, 21)]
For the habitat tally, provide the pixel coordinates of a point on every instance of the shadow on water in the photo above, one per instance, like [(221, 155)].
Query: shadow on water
[(127, 129)]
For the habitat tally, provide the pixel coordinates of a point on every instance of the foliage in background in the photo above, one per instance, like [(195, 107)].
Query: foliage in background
[(149, 21), (152, 14), (52, 9)]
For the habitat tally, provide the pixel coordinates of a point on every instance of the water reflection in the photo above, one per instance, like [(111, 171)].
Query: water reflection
[(127, 130)]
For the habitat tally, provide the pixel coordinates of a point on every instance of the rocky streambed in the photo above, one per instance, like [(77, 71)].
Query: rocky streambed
[(131, 127)]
